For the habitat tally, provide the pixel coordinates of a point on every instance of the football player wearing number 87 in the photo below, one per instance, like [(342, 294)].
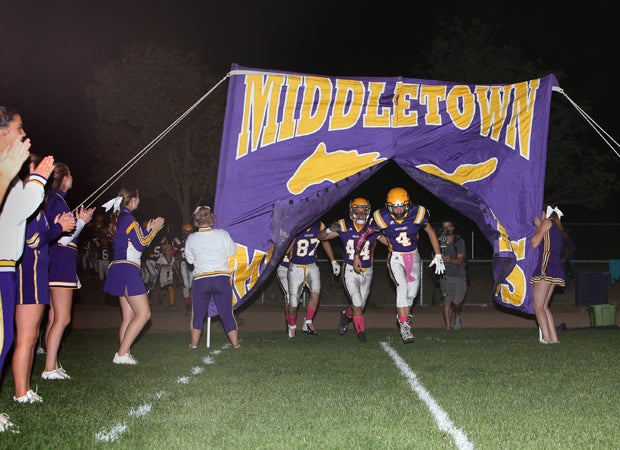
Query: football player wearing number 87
[(304, 272), (400, 221)]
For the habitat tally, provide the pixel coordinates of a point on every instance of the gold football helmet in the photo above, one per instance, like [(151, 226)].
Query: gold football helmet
[(359, 210), (398, 197)]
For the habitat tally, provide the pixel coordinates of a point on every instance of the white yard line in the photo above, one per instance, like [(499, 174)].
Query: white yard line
[(441, 418), (116, 431)]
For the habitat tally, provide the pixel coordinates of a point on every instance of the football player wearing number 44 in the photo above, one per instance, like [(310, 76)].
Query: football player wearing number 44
[(400, 222), (356, 285)]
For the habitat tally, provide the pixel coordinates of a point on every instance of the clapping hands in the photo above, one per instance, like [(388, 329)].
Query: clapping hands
[(156, 224), (86, 214), (66, 220)]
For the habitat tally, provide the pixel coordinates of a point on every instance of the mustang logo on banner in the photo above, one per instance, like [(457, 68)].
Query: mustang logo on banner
[(295, 144)]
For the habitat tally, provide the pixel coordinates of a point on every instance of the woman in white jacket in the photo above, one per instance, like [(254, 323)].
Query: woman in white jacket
[(208, 249)]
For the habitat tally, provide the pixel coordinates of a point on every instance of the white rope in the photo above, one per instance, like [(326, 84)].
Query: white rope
[(601, 132), (101, 189)]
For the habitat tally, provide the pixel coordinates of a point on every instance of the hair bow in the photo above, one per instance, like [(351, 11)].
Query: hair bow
[(556, 210), (198, 208), (115, 203)]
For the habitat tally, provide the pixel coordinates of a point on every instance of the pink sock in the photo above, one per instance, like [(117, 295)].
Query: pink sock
[(310, 312), (349, 311), (402, 319), (292, 320), (358, 321)]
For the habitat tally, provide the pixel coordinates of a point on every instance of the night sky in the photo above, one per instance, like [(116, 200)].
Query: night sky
[(50, 49)]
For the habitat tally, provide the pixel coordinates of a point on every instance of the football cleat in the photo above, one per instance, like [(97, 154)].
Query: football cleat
[(343, 322), (361, 336), (308, 328), (405, 333), (292, 329)]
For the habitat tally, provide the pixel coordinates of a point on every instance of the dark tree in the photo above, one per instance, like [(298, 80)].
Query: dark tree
[(581, 169), (137, 98)]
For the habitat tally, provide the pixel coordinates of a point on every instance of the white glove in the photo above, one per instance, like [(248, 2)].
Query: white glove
[(336, 267), (439, 265)]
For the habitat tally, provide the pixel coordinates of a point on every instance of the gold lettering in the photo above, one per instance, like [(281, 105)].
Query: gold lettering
[(492, 101), (347, 104), (522, 116), (403, 116), (430, 96), (461, 106), (314, 105), (514, 292), (287, 127), (261, 104), (376, 116), (245, 273)]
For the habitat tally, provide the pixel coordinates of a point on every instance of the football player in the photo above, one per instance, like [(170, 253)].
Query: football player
[(400, 222), (303, 271), (356, 285), (184, 267)]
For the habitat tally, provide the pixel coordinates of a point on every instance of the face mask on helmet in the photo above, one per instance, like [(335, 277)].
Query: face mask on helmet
[(398, 198), (187, 228), (359, 210)]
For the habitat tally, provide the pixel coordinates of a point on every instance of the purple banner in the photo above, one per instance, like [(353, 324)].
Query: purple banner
[(296, 144)]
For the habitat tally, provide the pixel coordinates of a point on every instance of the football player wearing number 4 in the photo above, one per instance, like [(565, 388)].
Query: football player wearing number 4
[(400, 222), (356, 285)]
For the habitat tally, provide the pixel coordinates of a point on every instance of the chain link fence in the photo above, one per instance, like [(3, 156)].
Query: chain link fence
[(383, 293)]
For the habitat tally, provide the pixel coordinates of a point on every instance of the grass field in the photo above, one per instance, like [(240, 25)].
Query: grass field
[(475, 388)]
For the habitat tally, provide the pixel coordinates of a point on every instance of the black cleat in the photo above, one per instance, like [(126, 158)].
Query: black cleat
[(361, 336), (343, 323)]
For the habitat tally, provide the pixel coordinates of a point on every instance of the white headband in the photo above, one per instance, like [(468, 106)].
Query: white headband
[(114, 203), (198, 209), (556, 210)]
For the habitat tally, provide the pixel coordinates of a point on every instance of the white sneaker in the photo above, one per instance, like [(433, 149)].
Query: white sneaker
[(190, 346), (5, 423), (58, 374), (308, 328), (125, 359), (405, 333), (292, 330), (30, 397)]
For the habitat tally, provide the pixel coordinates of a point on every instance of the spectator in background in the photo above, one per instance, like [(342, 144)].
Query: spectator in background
[(150, 274), (167, 273), (549, 272), (209, 249), (63, 279), (453, 282), (123, 278), (568, 254), (22, 200), (33, 292)]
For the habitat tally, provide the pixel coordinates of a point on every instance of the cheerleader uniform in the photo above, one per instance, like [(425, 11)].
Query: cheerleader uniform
[(549, 267), (64, 251), (130, 241)]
